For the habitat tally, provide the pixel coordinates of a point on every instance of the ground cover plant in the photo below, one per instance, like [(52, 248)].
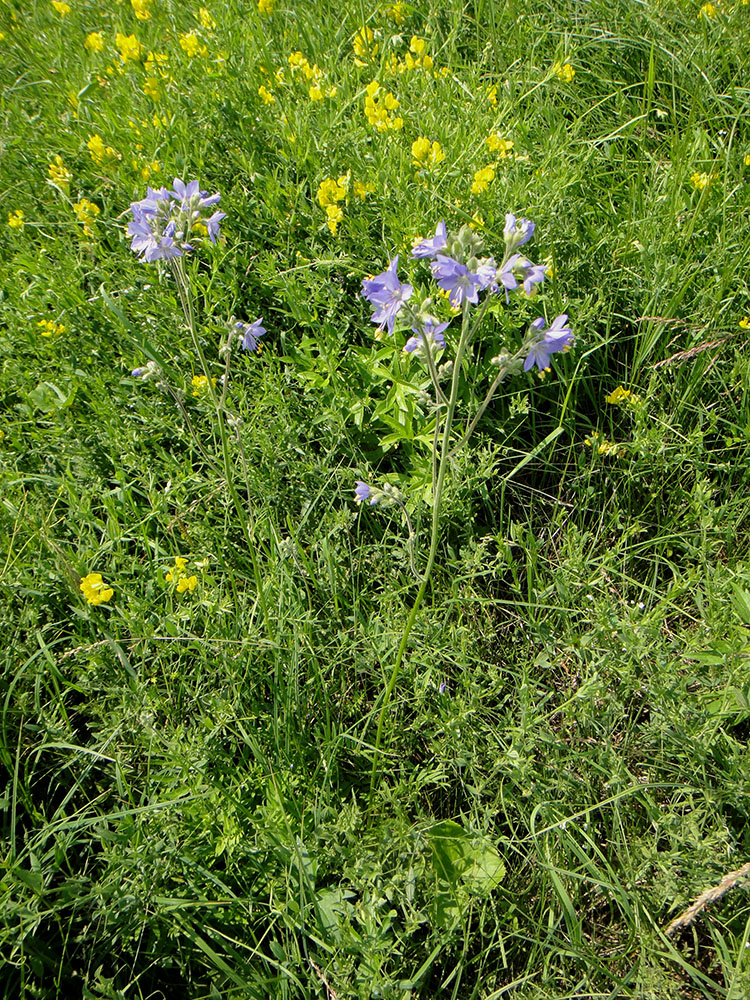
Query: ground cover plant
[(306, 694)]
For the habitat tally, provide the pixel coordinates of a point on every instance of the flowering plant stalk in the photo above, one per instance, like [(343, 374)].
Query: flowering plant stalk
[(464, 275), (165, 225)]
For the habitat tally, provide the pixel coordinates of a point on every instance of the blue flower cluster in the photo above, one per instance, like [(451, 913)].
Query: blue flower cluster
[(165, 220), (460, 272)]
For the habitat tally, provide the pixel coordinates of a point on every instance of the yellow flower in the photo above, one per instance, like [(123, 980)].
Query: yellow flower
[(745, 323), (564, 71), (707, 10), (363, 46), (178, 575), (316, 94), (265, 6), (200, 384), (265, 94), (482, 179), (492, 96), (331, 191), (335, 215), (15, 219), (94, 42), (397, 11), (99, 152), (155, 63), (141, 8), (427, 154), (151, 88), (379, 108), (498, 145), (207, 22), (59, 175), (154, 167), (95, 590), (129, 46), (61, 8), (618, 396), (87, 212), (702, 180), (747, 160), (191, 44), (298, 61), (362, 190), (50, 329)]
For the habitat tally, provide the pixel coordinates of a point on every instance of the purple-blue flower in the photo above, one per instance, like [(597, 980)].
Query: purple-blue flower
[(535, 275), (515, 233), (487, 273), (212, 224), (151, 244), (387, 294), (556, 338), (250, 333), (363, 492), (431, 329), (457, 280), (431, 248), (191, 197)]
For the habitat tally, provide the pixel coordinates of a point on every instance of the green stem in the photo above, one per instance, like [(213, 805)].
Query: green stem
[(183, 288), (442, 469)]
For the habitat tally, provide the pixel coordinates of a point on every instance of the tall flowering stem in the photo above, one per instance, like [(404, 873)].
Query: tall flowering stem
[(165, 226), (244, 515), (463, 275), (442, 468)]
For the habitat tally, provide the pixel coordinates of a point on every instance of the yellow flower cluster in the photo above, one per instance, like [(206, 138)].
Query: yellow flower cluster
[(708, 10), (192, 45), (95, 590), (482, 179), (204, 16), (128, 46), (200, 384), (15, 219), (265, 6), (564, 72), (427, 154), (94, 42), (146, 169), (61, 8), (416, 58), (702, 180), (50, 329), (330, 192), (313, 75), (622, 397), (178, 574), (141, 8), (59, 175), (397, 12), (151, 88), (379, 107), (99, 152), (499, 145), (86, 211), (364, 45), (603, 446)]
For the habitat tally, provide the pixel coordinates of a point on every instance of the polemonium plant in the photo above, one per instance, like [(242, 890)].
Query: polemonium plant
[(168, 225), (471, 281)]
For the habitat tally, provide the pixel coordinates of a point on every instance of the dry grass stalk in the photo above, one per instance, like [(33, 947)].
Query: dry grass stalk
[(711, 895)]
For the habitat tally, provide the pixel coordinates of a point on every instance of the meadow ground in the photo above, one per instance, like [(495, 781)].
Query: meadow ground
[(189, 742)]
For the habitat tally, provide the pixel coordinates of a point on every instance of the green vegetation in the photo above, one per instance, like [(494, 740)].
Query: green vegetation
[(185, 804)]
